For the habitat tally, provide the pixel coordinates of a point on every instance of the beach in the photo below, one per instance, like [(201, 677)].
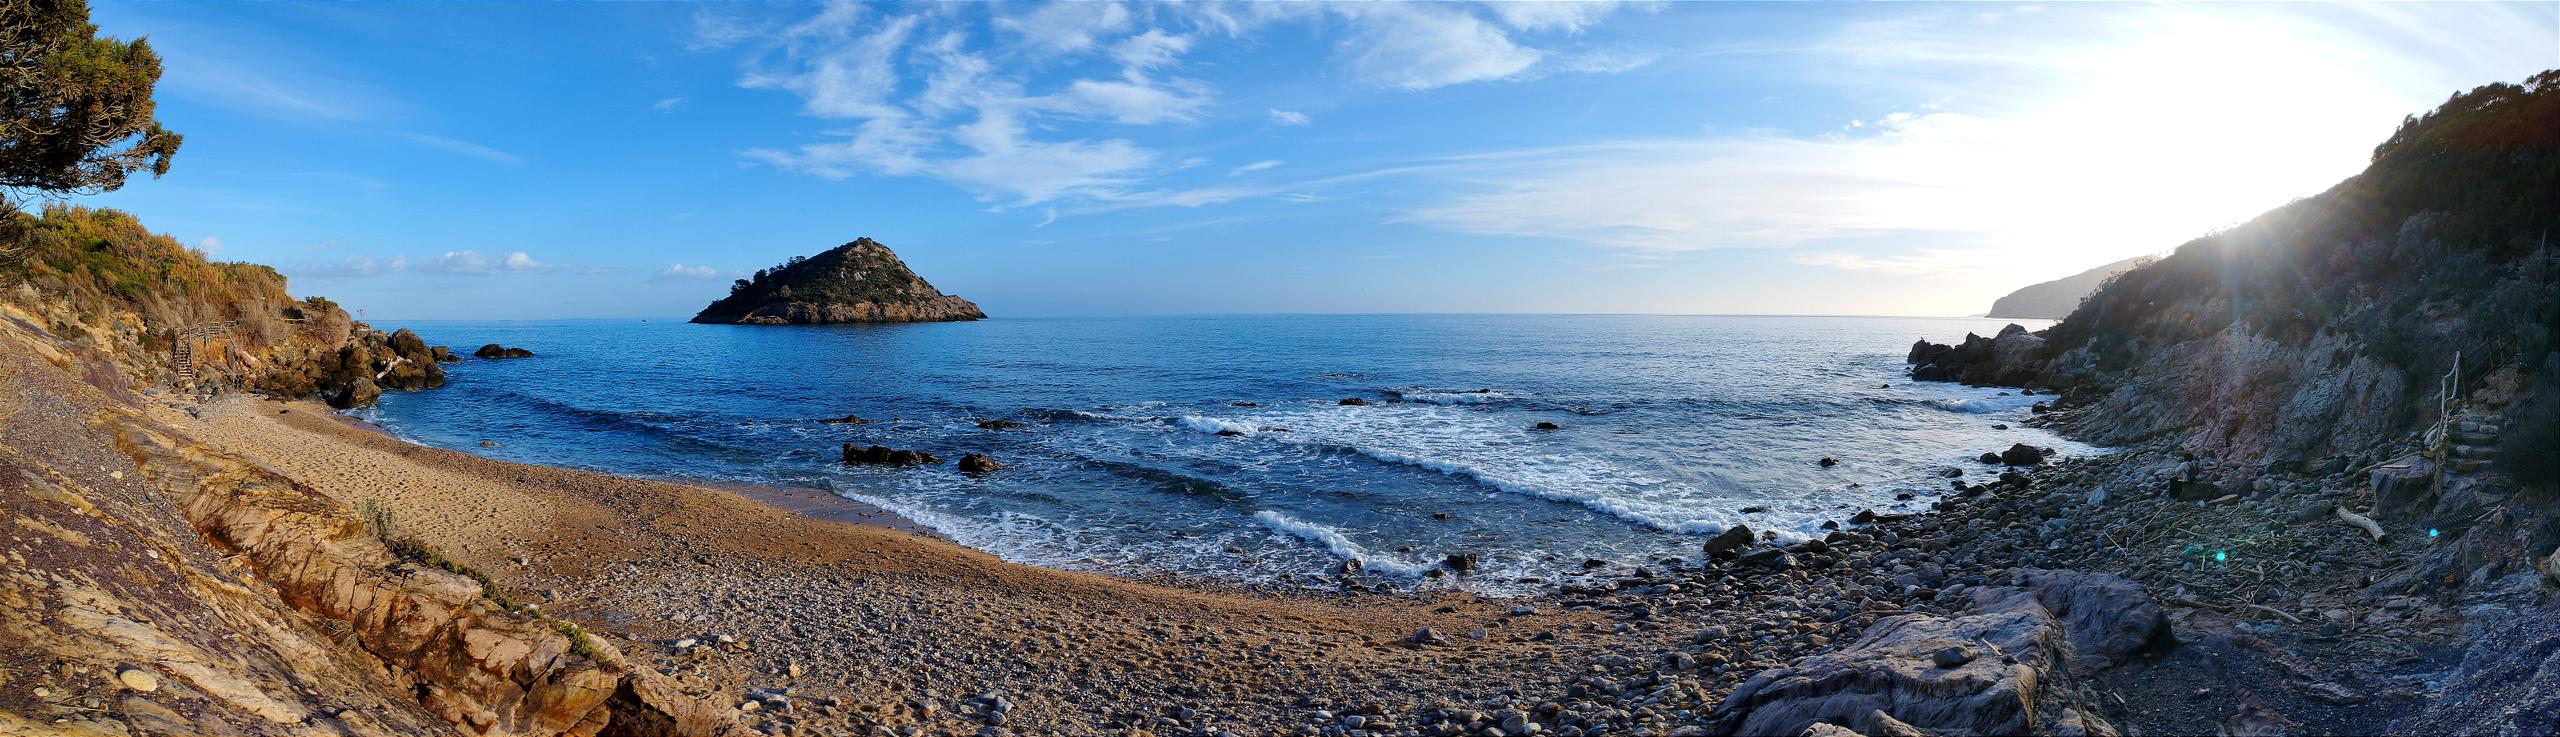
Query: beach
[(862, 624)]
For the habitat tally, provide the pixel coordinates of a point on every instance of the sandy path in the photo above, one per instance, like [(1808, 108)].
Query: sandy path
[(872, 628)]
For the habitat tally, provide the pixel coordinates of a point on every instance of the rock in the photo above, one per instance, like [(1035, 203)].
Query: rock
[(1828, 462), (494, 350), (882, 455), (1951, 656), (358, 393), (1893, 669), (1769, 558), (1353, 402), (2550, 567), (1990, 458), (2021, 454), (845, 420), (975, 463), (1350, 566), (441, 354), (858, 282), (2107, 619), (1548, 426), (1000, 425), (2192, 491), (1460, 562), (1731, 539), (1825, 729), (1230, 433), (138, 679), (1425, 636)]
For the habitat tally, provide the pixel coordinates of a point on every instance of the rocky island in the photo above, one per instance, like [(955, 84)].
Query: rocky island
[(858, 282)]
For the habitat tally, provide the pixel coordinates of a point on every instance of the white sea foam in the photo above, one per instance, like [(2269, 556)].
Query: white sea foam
[(1213, 425), (1334, 541), (1988, 405), (1453, 397)]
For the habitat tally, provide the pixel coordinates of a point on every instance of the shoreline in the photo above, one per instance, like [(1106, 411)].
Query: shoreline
[(740, 595)]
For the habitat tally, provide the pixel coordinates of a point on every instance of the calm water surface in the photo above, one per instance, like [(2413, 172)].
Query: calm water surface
[(1672, 427)]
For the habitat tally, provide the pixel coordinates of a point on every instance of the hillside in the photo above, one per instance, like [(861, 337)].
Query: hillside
[(169, 317), (858, 282), (2054, 299), (2383, 348)]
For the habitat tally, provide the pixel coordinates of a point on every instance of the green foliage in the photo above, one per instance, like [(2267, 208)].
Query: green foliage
[(378, 520), (104, 263), (578, 638), (75, 108)]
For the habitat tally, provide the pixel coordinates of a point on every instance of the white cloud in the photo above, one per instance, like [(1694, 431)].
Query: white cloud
[(1422, 46), (474, 263), (667, 105), (2073, 140), (1288, 117), (458, 146), (209, 245), (1264, 165), (681, 272), (1150, 50), (1067, 26), (836, 73), (1552, 15)]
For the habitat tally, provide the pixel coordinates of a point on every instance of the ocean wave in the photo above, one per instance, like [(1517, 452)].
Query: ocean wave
[(1987, 405), (1214, 425), (1482, 396), (1333, 540), (1642, 514)]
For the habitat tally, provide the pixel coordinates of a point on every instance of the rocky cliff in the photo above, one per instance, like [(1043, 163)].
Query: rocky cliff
[(166, 316), (157, 586), (856, 282), (2054, 299)]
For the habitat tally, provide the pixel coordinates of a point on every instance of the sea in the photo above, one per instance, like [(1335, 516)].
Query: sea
[(1219, 447)]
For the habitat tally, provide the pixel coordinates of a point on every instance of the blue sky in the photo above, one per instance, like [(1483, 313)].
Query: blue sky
[(552, 160)]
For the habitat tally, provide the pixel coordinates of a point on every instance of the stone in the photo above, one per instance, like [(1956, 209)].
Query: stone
[(1549, 426), (1353, 402), (1725, 543), (1460, 562), (1000, 425), (494, 351), (845, 420), (2107, 618), (1828, 462), (1951, 656), (2021, 454), (975, 463), (1990, 458), (359, 393), (138, 680)]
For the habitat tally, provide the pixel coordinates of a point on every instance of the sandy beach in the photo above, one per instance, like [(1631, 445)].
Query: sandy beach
[(851, 622)]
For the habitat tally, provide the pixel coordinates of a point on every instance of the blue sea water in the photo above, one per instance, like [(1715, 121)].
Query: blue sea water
[(1673, 427)]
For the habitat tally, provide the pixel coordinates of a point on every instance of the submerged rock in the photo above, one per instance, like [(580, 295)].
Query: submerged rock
[(494, 350), (975, 463), (884, 456)]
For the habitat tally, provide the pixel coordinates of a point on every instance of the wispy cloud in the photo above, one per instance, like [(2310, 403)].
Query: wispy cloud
[(917, 99), (350, 267), (667, 105), (1263, 165), (458, 146), (474, 263)]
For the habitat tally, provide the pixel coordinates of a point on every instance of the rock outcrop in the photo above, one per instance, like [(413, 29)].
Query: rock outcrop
[(493, 351), (173, 589), (858, 282), (2012, 358), (2005, 666)]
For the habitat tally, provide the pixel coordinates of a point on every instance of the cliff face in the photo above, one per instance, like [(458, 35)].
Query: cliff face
[(2317, 335), (2055, 299), (164, 315), (858, 282)]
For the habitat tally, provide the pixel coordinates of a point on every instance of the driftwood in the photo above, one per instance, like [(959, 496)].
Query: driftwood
[(2367, 523)]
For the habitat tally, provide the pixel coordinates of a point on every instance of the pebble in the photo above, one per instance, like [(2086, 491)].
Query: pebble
[(138, 680)]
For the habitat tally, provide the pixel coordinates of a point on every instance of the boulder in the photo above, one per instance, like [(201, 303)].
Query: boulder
[(884, 456), (2106, 618), (975, 463), (1460, 562), (2021, 454), (1990, 458), (1998, 668), (1725, 543), (358, 393), (1353, 402), (1000, 425), (1549, 426), (494, 350)]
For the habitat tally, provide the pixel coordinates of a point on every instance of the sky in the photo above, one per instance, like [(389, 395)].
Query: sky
[(557, 160)]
